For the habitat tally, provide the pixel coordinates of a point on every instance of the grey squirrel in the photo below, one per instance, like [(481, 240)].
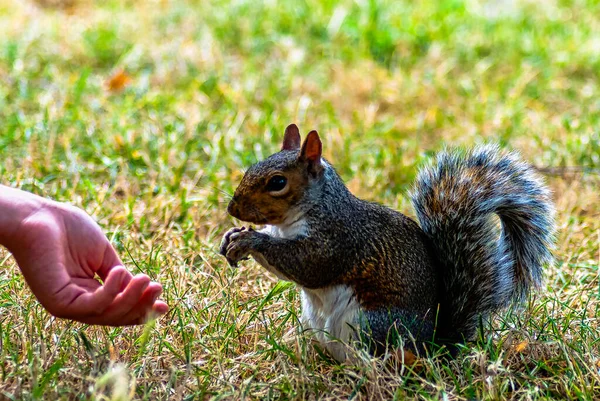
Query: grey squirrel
[(366, 271)]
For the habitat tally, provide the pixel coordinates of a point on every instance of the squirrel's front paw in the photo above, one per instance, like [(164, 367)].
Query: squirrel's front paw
[(235, 245), (227, 239)]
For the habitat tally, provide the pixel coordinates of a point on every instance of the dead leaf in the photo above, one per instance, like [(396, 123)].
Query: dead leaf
[(520, 347), (118, 81), (120, 141)]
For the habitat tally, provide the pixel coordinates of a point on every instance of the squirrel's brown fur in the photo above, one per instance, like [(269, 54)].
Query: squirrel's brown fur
[(391, 273)]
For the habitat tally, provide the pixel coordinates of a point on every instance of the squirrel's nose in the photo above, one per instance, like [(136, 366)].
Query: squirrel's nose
[(232, 208)]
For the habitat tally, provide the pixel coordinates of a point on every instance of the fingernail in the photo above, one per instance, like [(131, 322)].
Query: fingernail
[(161, 309)]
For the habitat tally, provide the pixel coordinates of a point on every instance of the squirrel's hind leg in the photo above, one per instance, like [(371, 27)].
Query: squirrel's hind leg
[(394, 328)]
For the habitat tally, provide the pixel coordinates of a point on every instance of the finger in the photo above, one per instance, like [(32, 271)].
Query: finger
[(127, 299), (126, 280), (160, 308), (144, 306), (90, 303), (114, 314), (110, 260)]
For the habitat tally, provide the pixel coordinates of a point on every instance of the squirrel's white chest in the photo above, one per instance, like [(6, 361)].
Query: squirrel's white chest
[(292, 230), (332, 313)]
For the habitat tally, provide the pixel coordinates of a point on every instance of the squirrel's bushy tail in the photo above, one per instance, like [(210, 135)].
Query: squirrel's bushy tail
[(485, 261)]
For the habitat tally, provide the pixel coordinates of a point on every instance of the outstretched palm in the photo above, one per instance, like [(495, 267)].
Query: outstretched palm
[(61, 252)]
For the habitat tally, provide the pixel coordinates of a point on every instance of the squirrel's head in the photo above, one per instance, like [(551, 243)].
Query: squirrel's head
[(271, 189)]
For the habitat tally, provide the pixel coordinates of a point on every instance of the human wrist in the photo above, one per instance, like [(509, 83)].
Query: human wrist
[(15, 207)]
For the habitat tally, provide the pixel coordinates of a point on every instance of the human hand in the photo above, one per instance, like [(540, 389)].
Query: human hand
[(60, 250)]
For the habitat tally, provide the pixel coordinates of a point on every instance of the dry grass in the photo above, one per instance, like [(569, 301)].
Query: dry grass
[(212, 85)]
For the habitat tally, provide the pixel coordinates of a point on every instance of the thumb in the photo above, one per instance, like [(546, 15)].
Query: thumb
[(96, 302)]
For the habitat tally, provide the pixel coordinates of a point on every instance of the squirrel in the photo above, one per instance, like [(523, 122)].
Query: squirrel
[(366, 271)]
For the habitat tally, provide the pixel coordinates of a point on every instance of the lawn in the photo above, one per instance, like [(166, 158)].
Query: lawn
[(145, 114)]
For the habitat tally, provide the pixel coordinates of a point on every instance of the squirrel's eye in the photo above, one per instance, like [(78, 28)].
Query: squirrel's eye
[(276, 183)]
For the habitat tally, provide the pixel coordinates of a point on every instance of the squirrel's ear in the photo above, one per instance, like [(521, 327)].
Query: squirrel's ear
[(291, 138), (311, 151)]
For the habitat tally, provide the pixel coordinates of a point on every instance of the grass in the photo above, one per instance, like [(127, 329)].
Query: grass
[(212, 86)]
